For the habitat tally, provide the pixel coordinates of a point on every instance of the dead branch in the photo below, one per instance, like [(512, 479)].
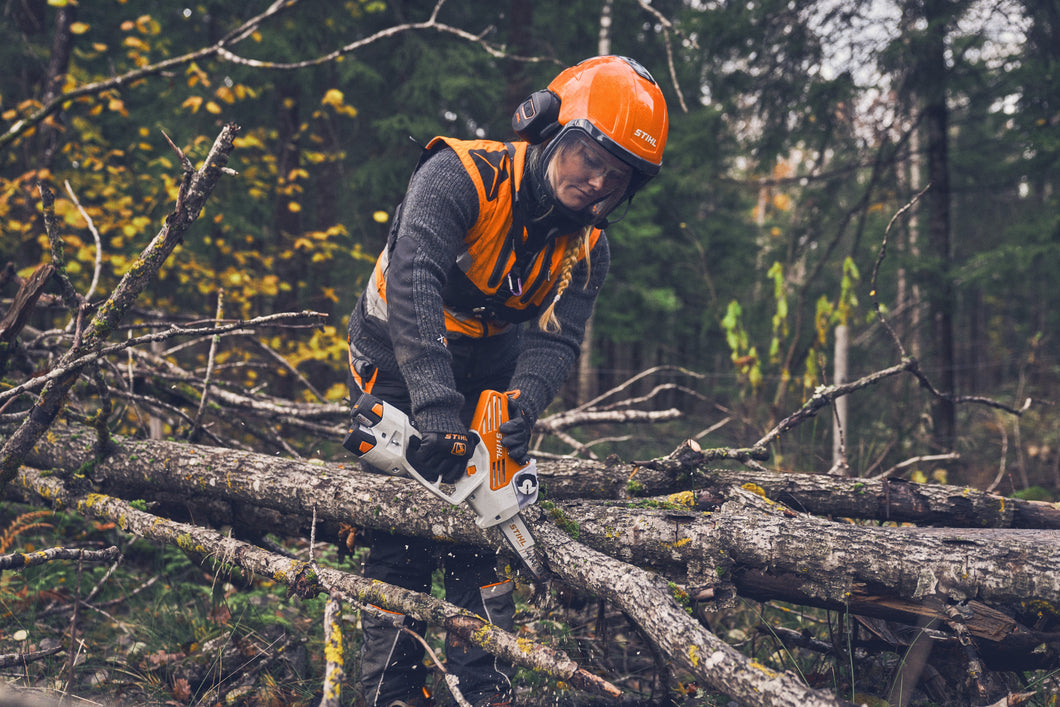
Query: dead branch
[(194, 190), (222, 50), (11, 660), (20, 560), (18, 313), (308, 579)]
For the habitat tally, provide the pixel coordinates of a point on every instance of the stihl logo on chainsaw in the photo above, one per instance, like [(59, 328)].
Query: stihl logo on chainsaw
[(459, 447), (516, 534)]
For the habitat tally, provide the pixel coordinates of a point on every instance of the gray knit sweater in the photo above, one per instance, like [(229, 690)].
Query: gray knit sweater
[(439, 209)]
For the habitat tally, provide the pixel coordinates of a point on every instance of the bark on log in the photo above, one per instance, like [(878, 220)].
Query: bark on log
[(647, 598), (893, 500), (820, 563), (989, 565), (309, 579)]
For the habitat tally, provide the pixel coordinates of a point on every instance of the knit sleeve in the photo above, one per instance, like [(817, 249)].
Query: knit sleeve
[(546, 358), (439, 208)]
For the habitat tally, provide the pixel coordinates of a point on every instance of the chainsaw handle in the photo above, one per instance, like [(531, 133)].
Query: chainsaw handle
[(466, 485)]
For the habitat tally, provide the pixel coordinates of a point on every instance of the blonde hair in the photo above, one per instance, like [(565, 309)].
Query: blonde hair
[(548, 320)]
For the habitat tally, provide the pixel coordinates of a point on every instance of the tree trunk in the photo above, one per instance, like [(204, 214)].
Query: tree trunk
[(840, 429), (940, 287), (658, 564), (386, 502), (746, 544)]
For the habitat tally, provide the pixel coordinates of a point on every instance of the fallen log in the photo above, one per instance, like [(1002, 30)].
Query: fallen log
[(747, 547)]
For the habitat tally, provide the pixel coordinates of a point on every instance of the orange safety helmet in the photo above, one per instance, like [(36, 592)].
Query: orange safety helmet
[(614, 101)]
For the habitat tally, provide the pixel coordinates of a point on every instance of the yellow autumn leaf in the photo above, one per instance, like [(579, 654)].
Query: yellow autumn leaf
[(269, 285), (225, 94), (333, 97), (78, 28), (145, 24), (248, 141), (212, 107), (193, 102), (336, 392), (380, 217), (294, 206)]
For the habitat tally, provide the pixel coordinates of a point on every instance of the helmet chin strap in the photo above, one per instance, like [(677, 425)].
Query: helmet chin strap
[(607, 221)]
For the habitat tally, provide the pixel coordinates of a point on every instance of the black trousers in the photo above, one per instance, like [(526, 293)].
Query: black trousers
[(391, 660)]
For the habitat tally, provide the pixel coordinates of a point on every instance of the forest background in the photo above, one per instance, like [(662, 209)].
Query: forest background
[(798, 131)]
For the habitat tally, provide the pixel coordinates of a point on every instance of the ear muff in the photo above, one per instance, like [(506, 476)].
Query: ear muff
[(537, 118)]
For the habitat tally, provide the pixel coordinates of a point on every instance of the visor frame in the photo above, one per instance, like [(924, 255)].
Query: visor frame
[(642, 170)]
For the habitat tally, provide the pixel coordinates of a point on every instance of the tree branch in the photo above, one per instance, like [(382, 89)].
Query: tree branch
[(194, 190)]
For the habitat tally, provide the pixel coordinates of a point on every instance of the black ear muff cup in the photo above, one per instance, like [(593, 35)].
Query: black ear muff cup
[(537, 118)]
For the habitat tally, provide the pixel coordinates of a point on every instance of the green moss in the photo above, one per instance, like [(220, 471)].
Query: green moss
[(565, 524), (680, 596)]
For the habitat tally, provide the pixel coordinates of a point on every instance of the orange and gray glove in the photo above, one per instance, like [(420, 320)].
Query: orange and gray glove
[(443, 455), (516, 432)]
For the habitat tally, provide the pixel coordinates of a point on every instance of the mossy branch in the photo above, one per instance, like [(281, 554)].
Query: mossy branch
[(194, 190)]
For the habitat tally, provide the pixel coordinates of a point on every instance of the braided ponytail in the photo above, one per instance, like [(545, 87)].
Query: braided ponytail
[(548, 321)]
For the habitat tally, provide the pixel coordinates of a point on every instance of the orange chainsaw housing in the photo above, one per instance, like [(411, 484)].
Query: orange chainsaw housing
[(490, 413)]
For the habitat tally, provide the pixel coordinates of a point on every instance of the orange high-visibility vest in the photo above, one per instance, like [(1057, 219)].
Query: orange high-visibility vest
[(493, 282)]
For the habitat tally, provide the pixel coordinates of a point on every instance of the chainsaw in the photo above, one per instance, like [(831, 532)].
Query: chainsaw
[(495, 486)]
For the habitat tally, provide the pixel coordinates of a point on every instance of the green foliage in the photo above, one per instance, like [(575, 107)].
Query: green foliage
[(743, 354), (165, 628)]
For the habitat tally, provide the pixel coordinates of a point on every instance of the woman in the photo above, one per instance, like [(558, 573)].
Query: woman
[(491, 270)]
